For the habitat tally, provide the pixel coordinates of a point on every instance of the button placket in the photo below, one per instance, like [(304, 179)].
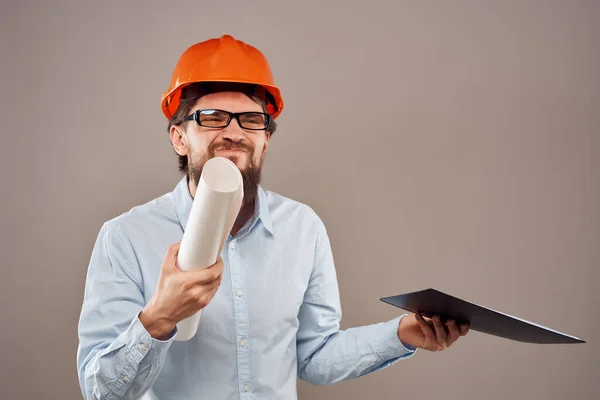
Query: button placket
[(241, 318)]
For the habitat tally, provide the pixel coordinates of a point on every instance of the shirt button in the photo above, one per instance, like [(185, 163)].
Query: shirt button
[(242, 343), (246, 388), (232, 245), (142, 347), (126, 379), (239, 292)]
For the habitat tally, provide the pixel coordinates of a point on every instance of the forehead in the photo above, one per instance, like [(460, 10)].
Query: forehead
[(229, 101)]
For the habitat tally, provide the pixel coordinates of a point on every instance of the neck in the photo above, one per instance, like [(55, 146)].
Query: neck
[(246, 211)]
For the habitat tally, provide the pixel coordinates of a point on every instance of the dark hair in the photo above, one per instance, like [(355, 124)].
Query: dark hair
[(190, 94)]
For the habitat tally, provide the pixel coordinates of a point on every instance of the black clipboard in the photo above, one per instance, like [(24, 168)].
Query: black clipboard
[(430, 302)]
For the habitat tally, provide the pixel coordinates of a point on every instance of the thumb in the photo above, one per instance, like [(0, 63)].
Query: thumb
[(170, 261)]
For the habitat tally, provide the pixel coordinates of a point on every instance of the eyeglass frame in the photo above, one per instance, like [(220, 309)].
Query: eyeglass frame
[(195, 116)]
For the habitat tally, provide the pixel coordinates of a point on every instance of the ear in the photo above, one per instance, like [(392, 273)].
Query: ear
[(267, 137), (179, 140)]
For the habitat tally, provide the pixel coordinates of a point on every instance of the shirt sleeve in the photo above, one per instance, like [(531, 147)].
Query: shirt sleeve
[(327, 354), (116, 358)]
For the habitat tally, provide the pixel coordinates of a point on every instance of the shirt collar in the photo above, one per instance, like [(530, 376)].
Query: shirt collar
[(183, 205), (263, 210)]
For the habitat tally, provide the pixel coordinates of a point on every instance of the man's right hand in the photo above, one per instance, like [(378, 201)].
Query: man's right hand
[(179, 294)]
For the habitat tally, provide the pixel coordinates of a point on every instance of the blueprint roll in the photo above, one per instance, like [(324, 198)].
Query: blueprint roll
[(214, 210)]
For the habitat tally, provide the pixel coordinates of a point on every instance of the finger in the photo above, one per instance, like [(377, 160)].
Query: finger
[(173, 249), (202, 298), (426, 329), (214, 286), (453, 333), (206, 275), (171, 255), (218, 266), (209, 290), (464, 329), (215, 283), (219, 261), (203, 294), (440, 332)]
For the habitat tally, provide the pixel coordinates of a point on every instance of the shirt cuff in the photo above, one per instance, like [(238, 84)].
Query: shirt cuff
[(390, 347), (144, 348)]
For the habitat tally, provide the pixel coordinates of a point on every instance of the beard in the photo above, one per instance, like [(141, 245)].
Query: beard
[(251, 174)]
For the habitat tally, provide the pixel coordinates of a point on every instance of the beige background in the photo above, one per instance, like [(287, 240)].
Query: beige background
[(447, 144)]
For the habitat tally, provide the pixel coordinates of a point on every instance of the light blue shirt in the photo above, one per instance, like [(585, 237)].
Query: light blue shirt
[(275, 317)]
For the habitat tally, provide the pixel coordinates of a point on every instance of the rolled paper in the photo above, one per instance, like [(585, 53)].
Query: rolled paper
[(214, 210)]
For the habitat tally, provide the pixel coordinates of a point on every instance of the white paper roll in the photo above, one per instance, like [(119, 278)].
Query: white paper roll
[(214, 210)]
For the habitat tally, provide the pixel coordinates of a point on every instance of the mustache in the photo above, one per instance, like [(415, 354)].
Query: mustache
[(229, 146)]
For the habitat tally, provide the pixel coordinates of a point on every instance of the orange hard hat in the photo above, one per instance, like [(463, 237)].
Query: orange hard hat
[(222, 60)]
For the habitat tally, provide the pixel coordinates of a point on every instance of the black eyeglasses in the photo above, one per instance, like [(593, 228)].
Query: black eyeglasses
[(255, 121)]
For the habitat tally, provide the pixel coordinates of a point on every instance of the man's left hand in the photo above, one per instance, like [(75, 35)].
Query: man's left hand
[(430, 334)]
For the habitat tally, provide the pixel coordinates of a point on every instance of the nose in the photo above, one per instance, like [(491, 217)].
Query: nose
[(233, 132)]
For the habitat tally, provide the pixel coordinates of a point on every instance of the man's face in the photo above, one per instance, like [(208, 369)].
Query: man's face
[(246, 148)]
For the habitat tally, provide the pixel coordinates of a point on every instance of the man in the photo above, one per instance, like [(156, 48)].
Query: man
[(271, 308)]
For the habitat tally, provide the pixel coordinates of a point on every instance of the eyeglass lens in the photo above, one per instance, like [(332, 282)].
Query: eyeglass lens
[(216, 119)]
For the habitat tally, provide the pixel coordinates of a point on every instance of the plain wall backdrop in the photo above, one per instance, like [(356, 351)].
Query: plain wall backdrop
[(446, 144)]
